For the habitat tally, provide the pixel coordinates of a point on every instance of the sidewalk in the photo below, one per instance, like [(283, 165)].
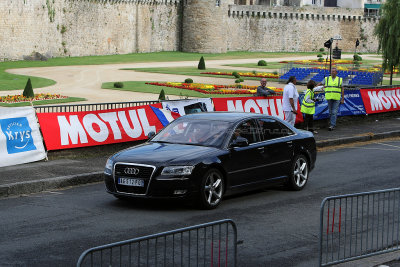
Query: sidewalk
[(82, 166)]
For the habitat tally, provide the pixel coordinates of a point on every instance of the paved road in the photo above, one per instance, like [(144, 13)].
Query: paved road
[(278, 227)]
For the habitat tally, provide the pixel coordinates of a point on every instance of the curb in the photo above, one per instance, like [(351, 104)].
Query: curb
[(37, 186), (354, 139), (41, 185)]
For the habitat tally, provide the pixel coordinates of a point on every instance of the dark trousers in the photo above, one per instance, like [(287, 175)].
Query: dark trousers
[(308, 122)]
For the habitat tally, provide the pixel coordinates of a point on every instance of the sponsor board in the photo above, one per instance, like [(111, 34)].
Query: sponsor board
[(353, 105), (270, 106), (20, 139), (381, 100), (80, 129)]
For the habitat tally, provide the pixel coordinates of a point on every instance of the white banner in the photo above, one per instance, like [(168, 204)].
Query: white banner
[(188, 106), (20, 139)]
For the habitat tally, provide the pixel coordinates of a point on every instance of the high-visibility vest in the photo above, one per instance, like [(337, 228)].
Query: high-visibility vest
[(308, 108), (333, 89)]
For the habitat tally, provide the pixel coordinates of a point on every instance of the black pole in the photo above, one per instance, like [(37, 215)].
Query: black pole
[(330, 59)]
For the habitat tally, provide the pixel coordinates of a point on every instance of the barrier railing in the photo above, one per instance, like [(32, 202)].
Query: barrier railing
[(91, 107), (208, 244), (359, 225)]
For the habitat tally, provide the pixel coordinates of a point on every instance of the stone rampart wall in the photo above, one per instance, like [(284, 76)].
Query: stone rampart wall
[(80, 28), (103, 27), (259, 28)]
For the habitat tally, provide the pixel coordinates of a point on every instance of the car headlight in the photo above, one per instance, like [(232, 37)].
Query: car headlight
[(177, 170), (109, 166)]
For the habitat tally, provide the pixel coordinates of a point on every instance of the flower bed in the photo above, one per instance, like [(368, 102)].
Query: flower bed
[(20, 98), (247, 74), (215, 89)]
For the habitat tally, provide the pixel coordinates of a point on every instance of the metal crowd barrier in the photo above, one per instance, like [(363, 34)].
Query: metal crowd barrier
[(359, 225), (208, 244), (91, 107)]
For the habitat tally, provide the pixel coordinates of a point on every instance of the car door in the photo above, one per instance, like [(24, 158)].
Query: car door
[(277, 145), (244, 162)]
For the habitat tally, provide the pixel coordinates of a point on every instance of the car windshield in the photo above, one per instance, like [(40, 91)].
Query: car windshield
[(194, 132)]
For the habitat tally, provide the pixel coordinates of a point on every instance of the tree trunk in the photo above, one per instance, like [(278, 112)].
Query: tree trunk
[(391, 75)]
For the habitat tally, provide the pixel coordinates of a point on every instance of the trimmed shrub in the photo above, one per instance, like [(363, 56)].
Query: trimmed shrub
[(241, 80), (320, 59), (235, 74), (321, 49), (118, 85), (162, 95), (319, 55), (262, 63), (188, 80), (275, 72), (356, 57), (28, 91), (254, 72), (237, 81), (202, 64)]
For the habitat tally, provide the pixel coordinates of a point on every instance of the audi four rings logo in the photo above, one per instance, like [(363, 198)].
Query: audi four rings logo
[(133, 171)]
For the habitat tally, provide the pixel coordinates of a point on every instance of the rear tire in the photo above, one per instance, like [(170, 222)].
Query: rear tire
[(211, 189), (298, 176)]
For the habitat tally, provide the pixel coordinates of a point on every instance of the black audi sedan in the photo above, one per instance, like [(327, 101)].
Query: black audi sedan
[(206, 156)]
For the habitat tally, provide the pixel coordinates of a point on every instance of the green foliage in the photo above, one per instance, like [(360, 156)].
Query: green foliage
[(63, 29), (319, 55), (262, 63), (275, 72), (162, 95), (356, 57), (241, 80), (321, 49), (189, 80), (118, 85), (388, 34), (254, 72), (235, 74), (320, 59), (202, 64), (28, 91), (237, 81)]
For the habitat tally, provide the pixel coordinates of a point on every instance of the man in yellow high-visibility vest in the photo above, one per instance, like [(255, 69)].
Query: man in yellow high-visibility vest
[(334, 94)]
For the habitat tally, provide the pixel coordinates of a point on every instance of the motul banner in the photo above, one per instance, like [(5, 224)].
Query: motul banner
[(381, 100), (270, 106), (80, 129), (20, 139)]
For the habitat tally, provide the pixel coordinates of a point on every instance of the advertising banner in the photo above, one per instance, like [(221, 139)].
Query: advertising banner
[(381, 100), (188, 106), (80, 129), (353, 105), (20, 139), (270, 106)]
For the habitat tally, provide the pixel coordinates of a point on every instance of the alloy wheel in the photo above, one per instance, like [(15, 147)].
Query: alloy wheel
[(213, 188), (300, 174)]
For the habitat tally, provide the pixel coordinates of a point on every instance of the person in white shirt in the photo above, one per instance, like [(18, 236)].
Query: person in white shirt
[(289, 100)]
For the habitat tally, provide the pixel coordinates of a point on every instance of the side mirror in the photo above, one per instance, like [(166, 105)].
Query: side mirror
[(151, 134), (239, 142)]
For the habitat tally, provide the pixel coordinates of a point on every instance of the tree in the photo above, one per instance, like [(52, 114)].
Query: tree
[(388, 33), (161, 96), (202, 64), (28, 91)]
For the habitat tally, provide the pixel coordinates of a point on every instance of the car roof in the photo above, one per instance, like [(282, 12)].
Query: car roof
[(224, 116)]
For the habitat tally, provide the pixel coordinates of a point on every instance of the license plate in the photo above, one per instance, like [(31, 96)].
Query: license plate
[(131, 182)]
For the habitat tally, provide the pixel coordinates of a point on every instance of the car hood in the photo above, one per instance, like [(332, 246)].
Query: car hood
[(163, 153)]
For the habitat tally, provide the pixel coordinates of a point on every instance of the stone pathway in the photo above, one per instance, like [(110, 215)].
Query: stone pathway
[(86, 81)]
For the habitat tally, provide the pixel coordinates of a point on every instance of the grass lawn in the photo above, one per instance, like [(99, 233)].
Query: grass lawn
[(14, 82), (387, 82), (154, 89), (44, 102), (193, 71)]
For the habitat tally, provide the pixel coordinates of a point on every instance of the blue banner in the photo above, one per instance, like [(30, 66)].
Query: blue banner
[(353, 105)]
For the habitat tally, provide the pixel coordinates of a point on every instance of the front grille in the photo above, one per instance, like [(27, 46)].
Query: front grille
[(123, 170)]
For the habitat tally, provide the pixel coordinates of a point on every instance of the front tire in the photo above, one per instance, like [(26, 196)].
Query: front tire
[(211, 189), (298, 176)]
